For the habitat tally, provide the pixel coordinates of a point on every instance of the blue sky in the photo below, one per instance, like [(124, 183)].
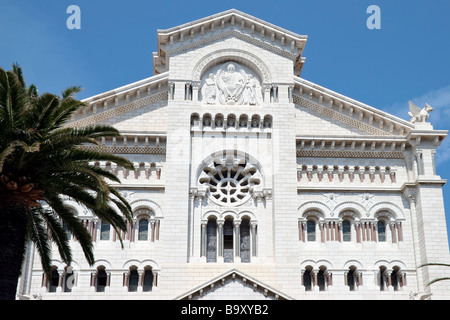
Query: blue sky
[(407, 59)]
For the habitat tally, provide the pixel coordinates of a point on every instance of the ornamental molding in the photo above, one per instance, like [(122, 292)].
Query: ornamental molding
[(127, 149), (351, 147), (339, 116), (349, 154), (230, 54), (395, 212), (116, 111), (228, 34), (323, 211), (221, 213), (348, 111), (231, 23), (147, 204), (232, 276)]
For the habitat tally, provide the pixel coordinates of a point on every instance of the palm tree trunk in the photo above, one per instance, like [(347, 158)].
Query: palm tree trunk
[(13, 213)]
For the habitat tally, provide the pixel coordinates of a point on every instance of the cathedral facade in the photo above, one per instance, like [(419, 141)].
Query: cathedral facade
[(251, 182)]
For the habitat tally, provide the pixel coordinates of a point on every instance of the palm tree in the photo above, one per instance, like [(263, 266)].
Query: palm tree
[(436, 264), (41, 164)]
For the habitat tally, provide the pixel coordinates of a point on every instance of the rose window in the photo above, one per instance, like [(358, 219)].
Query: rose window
[(230, 182)]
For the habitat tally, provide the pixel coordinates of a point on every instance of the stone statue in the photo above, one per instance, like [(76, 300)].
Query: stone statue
[(209, 89), (417, 114), (231, 84)]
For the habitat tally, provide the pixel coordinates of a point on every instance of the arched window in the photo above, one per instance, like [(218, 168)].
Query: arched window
[(211, 241), (267, 122), (381, 229), (228, 240), (133, 280), (143, 230), (148, 280), (245, 240), (105, 230), (147, 226), (255, 121), (195, 118), (396, 278), (218, 121), (101, 279), (322, 278), (351, 278), (311, 230), (308, 278), (54, 280), (231, 121), (207, 120), (383, 278), (346, 231)]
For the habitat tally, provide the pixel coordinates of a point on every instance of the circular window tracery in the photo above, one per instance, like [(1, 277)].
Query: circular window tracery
[(230, 182)]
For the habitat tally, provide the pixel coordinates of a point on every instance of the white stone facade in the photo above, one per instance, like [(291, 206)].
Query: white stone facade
[(251, 182)]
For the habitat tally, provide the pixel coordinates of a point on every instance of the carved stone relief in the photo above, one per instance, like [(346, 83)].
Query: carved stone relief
[(231, 84)]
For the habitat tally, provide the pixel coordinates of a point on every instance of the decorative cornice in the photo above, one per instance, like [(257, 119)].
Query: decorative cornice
[(161, 96), (339, 116), (351, 147), (227, 34), (127, 150), (229, 23), (347, 110), (349, 154)]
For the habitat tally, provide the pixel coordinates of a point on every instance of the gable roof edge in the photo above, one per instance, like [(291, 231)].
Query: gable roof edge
[(233, 272), (358, 108)]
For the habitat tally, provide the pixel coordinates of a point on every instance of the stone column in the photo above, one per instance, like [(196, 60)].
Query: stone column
[(358, 232), (253, 233), (393, 232), (237, 240), (220, 240), (322, 233), (203, 239)]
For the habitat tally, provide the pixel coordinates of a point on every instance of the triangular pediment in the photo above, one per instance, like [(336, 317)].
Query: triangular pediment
[(231, 23), (233, 285)]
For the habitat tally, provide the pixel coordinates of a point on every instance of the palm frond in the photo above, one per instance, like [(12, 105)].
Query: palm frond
[(70, 92), (37, 232), (434, 264), (13, 100), (437, 280), (74, 225), (58, 236)]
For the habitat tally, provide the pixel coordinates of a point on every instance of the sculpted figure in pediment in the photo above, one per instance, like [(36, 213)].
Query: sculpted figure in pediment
[(231, 85)]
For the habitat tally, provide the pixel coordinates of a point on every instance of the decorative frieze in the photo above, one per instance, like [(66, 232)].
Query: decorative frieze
[(242, 122), (89, 119), (354, 147), (369, 174)]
